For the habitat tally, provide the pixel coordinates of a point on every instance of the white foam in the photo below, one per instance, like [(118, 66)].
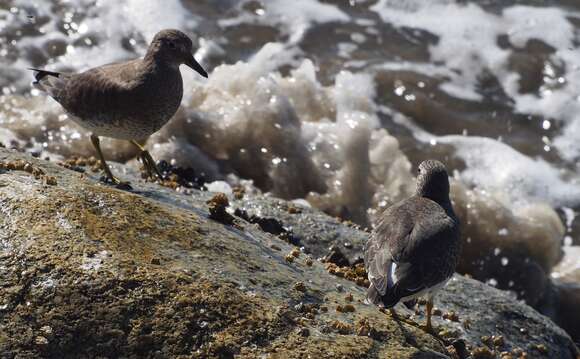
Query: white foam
[(496, 167), (219, 186), (297, 138), (294, 19), (467, 38), (107, 21), (111, 25), (468, 46), (144, 16), (569, 266)]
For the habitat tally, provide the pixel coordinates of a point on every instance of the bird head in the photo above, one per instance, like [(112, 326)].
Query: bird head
[(173, 47), (433, 181)]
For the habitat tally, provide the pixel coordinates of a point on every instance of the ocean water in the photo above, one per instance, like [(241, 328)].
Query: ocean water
[(336, 102)]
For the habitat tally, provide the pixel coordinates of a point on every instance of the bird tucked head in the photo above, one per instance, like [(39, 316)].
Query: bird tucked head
[(174, 48), (433, 181)]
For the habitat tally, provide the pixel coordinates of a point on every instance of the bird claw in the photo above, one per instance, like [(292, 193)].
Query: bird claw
[(427, 328), (125, 186), (433, 332), (112, 180)]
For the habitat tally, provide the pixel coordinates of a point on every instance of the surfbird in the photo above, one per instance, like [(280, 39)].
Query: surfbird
[(128, 100), (414, 249)]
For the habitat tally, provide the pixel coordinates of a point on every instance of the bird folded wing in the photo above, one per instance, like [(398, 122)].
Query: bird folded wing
[(382, 247), (97, 91), (409, 280), (378, 266)]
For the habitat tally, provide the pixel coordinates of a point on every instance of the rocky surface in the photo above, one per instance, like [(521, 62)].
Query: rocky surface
[(93, 271), (566, 278), (317, 232)]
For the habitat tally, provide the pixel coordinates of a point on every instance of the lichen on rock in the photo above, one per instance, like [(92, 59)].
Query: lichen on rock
[(89, 270)]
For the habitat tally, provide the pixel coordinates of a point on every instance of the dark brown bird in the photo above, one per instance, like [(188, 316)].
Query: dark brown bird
[(128, 100), (415, 246)]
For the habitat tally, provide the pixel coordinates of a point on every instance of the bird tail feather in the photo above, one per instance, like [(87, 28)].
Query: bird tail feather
[(390, 297), (373, 296), (41, 74), (388, 300), (49, 81)]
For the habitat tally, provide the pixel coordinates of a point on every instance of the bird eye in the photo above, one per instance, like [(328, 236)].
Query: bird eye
[(171, 44)]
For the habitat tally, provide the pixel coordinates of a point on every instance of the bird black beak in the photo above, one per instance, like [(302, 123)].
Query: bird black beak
[(196, 66)]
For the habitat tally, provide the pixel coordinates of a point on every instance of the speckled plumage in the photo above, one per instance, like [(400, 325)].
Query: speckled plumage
[(128, 100), (415, 246)]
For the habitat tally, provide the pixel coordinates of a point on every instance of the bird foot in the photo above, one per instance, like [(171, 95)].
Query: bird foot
[(434, 333), (404, 318), (125, 186), (112, 180), (427, 328)]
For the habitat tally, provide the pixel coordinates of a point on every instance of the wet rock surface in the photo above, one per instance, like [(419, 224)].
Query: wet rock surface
[(566, 287), (90, 270), (310, 228)]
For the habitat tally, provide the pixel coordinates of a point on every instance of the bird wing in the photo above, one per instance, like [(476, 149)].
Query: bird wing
[(378, 255), (378, 264), (92, 92), (399, 240), (100, 90)]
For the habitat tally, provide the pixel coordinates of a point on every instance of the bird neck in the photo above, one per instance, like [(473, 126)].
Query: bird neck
[(158, 60), (441, 199), (158, 74)]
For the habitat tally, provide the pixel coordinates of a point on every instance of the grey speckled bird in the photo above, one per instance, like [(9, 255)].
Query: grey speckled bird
[(415, 246), (128, 100)]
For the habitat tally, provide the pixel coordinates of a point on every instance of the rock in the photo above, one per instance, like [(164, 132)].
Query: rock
[(484, 311), (147, 273), (311, 228), (569, 308), (567, 286)]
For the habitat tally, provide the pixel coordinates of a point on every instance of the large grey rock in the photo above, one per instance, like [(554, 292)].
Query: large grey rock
[(314, 230), (87, 270)]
